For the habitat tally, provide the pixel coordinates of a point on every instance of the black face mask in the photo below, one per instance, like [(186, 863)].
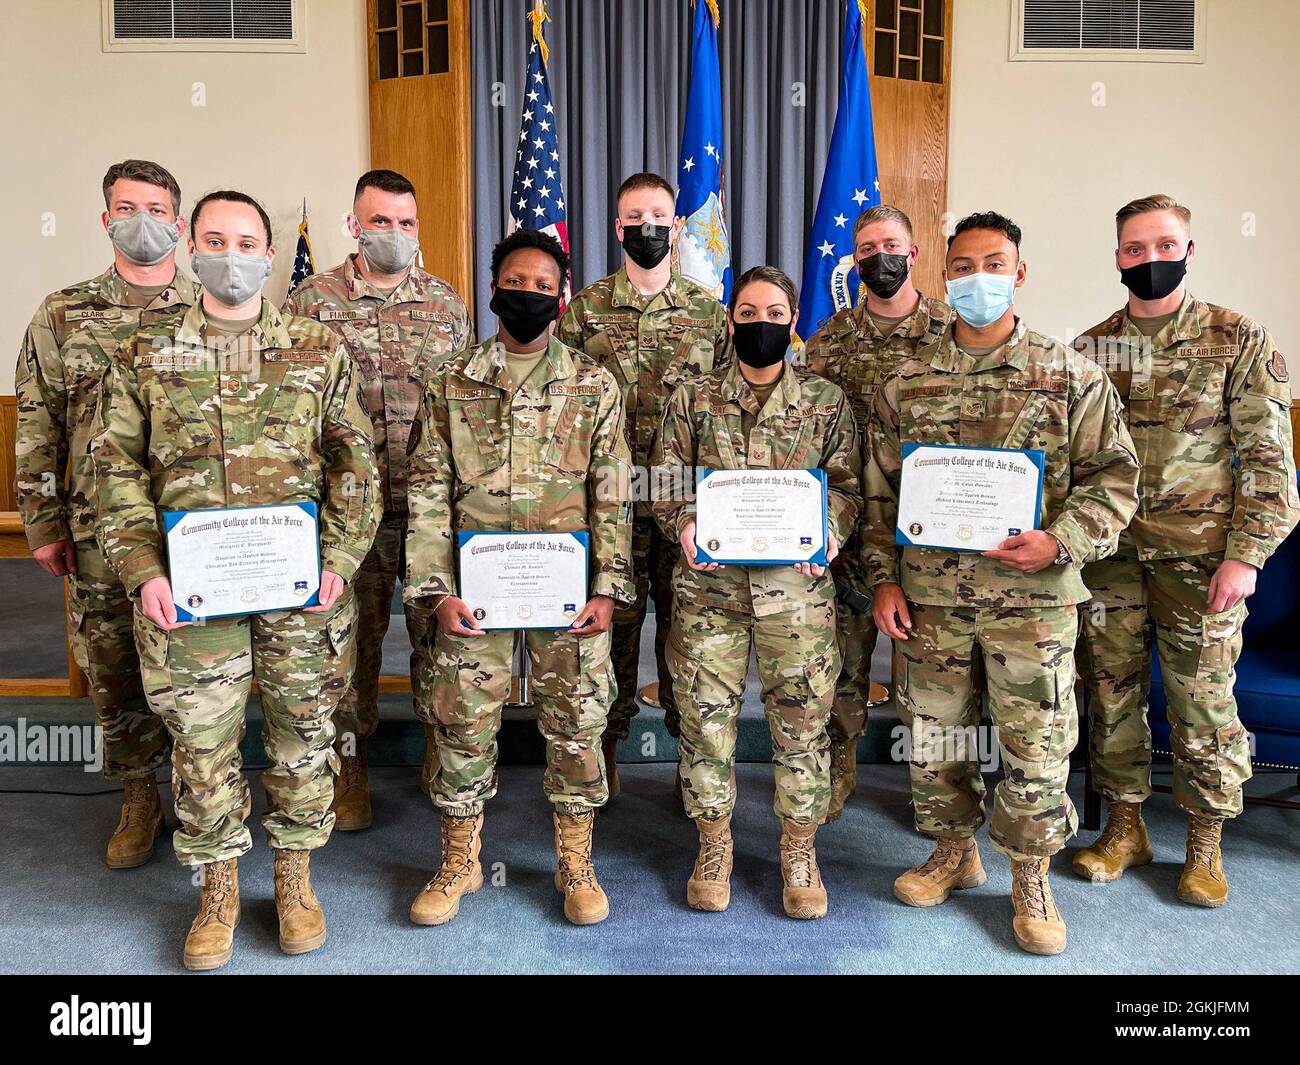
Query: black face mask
[(760, 344), (524, 314), (1154, 280), (883, 273), (646, 244)]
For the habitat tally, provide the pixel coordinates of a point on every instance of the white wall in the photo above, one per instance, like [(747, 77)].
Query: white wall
[(278, 126), (1222, 136)]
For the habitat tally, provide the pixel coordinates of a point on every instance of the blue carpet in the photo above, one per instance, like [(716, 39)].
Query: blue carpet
[(63, 911)]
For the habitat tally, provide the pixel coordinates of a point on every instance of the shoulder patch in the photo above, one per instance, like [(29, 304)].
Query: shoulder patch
[(1277, 368)]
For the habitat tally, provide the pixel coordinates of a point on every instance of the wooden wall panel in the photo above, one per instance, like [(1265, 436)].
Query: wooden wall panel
[(8, 429), (421, 127), (911, 123)]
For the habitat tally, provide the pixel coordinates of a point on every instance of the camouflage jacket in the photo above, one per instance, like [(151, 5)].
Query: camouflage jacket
[(850, 350), (186, 425), (1032, 393), (67, 348), (395, 343), (1208, 404), (807, 423), (548, 457), (651, 345)]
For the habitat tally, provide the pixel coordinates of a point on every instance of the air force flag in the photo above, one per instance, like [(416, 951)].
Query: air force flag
[(849, 186), (704, 249)]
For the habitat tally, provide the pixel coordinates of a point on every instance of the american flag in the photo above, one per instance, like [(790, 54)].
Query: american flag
[(304, 263), (537, 192)]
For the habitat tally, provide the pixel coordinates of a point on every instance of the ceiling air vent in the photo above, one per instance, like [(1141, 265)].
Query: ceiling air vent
[(1138, 31), (204, 26)]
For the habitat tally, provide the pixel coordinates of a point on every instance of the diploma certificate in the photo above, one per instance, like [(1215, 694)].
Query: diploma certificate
[(524, 580), (760, 517), (967, 498), (242, 560)]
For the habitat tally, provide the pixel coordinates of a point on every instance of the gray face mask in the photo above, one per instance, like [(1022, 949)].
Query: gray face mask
[(233, 278), (142, 238), (390, 251)]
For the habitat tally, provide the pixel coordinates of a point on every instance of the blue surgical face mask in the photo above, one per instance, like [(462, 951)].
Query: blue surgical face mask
[(981, 299)]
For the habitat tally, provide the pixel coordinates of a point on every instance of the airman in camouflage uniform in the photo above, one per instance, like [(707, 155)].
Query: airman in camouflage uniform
[(1017, 614), (1207, 401), (786, 613), (194, 419), (65, 352), (396, 337), (651, 343), (543, 454), (851, 350)]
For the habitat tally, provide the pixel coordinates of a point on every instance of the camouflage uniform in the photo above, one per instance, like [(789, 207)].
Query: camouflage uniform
[(549, 456), (395, 343), (851, 351), (807, 423), (1207, 406), (185, 426), (1032, 393), (68, 347), (650, 345)]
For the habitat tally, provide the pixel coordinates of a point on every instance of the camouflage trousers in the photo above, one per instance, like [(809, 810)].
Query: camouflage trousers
[(358, 711), (798, 661), (653, 559), (1028, 670), (1134, 605), (135, 741), (572, 684), (856, 635), (199, 678)]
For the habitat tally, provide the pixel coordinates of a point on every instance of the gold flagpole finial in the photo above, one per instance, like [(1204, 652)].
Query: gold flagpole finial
[(538, 17)]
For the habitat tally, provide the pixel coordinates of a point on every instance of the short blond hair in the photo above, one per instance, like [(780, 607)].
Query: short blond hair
[(1158, 202), (882, 213)]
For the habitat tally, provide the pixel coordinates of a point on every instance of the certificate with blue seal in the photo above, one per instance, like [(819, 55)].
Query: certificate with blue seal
[(967, 498), (761, 517), (242, 560), (524, 580)]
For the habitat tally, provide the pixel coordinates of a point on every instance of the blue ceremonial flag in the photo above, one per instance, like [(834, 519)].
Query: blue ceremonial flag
[(304, 264), (850, 185), (704, 249), (537, 193)]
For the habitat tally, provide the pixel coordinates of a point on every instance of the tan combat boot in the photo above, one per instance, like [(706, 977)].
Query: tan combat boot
[(1122, 845), (844, 777), (585, 901), (1037, 925), (351, 804), (803, 895), (302, 922), (139, 826), (430, 767), (458, 874), (1203, 882), (954, 866), (609, 745), (709, 887), (211, 939)]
